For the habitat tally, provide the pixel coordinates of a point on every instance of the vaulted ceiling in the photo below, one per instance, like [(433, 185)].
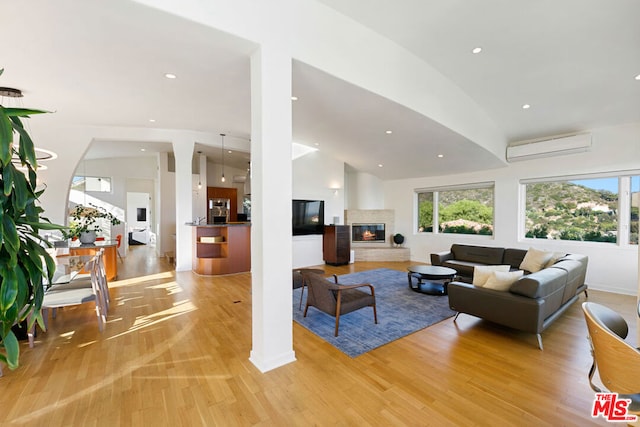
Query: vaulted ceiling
[(573, 62)]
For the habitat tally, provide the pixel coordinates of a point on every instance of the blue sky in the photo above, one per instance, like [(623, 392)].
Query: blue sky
[(610, 184)]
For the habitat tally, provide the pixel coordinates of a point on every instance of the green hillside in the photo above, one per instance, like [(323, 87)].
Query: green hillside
[(567, 211), (554, 210)]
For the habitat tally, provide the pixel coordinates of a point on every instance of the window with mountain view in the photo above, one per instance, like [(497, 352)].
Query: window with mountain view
[(585, 210), (635, 205), (459, 210)]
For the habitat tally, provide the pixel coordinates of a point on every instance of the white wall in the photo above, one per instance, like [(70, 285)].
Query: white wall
[(167, 208), (316, 177), (364, 191), (611, 267)]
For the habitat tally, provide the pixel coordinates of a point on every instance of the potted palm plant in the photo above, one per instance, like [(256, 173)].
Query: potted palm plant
[(24, 260)]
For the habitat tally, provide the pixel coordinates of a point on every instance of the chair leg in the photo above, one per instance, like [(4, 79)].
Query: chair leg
[(456, 318), (301, 294), (338, 304), (375, 314), (539, 341)]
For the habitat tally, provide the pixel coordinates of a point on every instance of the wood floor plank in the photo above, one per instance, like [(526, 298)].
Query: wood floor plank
[(175, 352)]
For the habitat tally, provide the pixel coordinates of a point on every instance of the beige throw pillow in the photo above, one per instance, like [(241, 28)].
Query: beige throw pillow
[(535, 260), (501, 281), (482, 272), (554, 258)]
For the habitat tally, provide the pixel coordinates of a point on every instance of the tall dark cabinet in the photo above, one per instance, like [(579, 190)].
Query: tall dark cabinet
[(336, 244)]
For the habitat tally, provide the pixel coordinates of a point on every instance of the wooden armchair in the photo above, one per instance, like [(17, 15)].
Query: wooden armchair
[(336, 299), (617, 362)]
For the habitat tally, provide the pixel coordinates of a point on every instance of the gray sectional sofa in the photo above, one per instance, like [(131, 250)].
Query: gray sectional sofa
[(530, 304)]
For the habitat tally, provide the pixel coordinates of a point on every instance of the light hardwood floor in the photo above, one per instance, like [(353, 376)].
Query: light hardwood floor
[(176, 346)]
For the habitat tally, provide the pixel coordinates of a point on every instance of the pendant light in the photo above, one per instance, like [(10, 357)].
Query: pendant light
[(199, 171), (223, 178)]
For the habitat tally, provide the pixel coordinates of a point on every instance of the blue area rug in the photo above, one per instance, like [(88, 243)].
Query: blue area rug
[(401, 312)]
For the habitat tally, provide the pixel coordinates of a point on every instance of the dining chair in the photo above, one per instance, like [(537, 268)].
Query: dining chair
[(119, 240), (85, 281), (71, 294)]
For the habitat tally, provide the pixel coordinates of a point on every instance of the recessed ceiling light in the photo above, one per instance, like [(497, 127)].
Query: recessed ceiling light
[(152, 120), (388, 132), (440, 156), (229, 151), (294, 98), (379, 165), (317, 144), (638, 77), (170, 76), (143, 149), (476, 50), (526, 106)]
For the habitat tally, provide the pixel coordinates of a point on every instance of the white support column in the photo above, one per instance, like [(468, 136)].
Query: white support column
[(183, 152), (200, 208), (271, 192)]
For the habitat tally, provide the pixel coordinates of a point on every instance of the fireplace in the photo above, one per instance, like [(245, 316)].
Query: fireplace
[(367, 233)]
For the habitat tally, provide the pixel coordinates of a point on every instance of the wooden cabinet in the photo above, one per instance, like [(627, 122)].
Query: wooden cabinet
[(224, 249), (223, 193), (336, 244)]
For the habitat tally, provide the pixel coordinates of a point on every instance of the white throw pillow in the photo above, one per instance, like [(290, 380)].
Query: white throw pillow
[(535, 260), (482, 272), (501, 281)]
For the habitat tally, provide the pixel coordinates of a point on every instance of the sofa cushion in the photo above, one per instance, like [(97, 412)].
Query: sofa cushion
[(477, 254), (482, 272), (540, 284), (575, 277), (535, 260), (502, 280), (555, 257), (514, 257), (464, 268)]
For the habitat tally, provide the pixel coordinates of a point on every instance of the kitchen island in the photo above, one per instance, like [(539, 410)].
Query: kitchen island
[(221, 248)]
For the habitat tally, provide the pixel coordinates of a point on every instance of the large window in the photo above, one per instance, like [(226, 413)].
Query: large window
[(588, 209), (635, 205), (462, 210), (91, 183)]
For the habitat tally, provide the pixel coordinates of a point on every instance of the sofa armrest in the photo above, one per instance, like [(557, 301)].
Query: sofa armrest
[(515, 311), (439, 258)]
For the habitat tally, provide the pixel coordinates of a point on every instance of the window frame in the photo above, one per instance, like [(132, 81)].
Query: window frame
[(624, 205), (84, 185), (436, 207)]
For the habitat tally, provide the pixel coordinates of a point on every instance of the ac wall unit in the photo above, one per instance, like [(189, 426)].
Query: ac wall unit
[(551, 147), (239, 179)]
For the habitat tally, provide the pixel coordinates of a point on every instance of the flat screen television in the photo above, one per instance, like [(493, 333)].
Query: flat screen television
[(308, 217)]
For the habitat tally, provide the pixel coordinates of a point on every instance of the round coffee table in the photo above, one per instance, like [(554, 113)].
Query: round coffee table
[(432, 279)]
